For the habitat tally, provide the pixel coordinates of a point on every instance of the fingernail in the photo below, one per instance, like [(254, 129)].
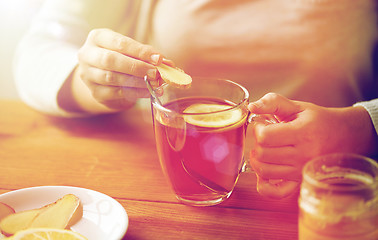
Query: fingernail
[(168, 62), (255, 105), (155, 58), (251, 106), (151, 73)]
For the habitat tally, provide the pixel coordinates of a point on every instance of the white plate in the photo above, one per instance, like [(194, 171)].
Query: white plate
[(103, 217)]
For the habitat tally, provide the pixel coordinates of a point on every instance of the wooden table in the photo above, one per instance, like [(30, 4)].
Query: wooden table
[(116, 155)]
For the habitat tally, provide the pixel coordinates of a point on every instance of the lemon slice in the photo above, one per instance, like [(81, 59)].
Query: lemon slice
[(174, 76), (216, 119), (47, 234)]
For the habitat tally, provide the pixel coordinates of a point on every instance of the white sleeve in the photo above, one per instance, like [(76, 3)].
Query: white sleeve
[(372, 108), (47, 54)]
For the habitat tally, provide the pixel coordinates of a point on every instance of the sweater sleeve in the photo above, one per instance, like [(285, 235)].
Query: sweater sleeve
[(372, 108), (47, 54)]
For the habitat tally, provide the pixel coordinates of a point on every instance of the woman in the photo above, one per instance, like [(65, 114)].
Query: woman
[(84, 57)]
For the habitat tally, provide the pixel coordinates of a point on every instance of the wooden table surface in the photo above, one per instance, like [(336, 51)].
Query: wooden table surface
[(116, 155)]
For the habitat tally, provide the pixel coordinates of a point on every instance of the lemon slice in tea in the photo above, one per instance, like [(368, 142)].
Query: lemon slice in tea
[(218, 118), (47, 234), (174, 76)]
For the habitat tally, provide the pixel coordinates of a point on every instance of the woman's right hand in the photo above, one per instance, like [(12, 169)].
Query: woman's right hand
[(112, 66)]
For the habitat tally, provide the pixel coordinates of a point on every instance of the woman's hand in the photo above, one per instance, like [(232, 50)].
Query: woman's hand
[(304, 131), (112, 66)]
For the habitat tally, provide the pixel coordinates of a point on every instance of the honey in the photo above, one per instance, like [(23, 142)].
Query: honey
[(339, 199)]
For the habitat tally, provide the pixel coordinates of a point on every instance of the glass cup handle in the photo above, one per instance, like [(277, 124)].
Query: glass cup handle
[(266, 119)]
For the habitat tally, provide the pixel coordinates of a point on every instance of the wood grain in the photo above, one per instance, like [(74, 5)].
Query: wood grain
[(116, 155)]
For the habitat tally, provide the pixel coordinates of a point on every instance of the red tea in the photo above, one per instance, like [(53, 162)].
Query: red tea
[(202, 155)]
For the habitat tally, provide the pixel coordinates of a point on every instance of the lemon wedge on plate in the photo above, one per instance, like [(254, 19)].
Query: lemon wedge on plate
[(217, 118), (47, 234)]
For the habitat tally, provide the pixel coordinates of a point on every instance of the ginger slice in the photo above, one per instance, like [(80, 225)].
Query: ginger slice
[(174, 76), (5, 210), (61, 214)]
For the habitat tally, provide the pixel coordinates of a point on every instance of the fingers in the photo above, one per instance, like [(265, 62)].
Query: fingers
[(114, 90), (121, 103), (116, 97), (276, 180), (117, 42), (280, 133), (114, 52), (275, 104), (286, 155), (168, 62), (114, 61), (276, 171), (275, 156), (274, 135), (109, 78), (113, 66), (277, 189)]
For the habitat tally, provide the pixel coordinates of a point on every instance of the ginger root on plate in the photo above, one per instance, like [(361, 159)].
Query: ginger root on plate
[(5, 210), (61, 214)]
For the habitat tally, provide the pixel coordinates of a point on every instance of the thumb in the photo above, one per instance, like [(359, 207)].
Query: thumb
[(276, 189), (273, 103)]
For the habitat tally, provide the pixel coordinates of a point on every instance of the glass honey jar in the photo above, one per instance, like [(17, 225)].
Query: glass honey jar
[(339, 198)]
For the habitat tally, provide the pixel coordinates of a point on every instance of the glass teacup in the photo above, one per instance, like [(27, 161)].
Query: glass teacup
[(200, 136)]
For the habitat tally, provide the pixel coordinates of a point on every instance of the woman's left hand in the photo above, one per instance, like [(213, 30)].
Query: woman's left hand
[(304, 131)]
